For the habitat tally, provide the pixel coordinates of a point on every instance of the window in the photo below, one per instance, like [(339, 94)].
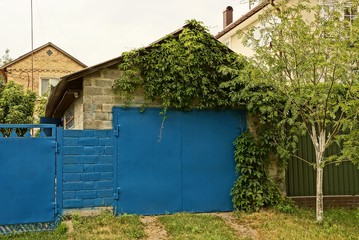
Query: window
[(70, 118), (348, 10), (350, 13), (46, 84)]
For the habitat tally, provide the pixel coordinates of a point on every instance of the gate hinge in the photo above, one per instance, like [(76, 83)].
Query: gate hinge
[(116, 194), (56, 209), (57, 147), (116, 131)]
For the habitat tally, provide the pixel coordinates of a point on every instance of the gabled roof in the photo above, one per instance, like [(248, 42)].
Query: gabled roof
[(243, 18), (40, 48)]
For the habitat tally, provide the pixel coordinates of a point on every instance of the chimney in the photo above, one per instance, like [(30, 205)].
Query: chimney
[(227, 16)]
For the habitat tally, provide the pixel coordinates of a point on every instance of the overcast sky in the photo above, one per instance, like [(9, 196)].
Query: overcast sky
[(94, 31)]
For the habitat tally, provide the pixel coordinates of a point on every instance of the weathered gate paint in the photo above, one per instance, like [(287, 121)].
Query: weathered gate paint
[(190, 167), (27, 177)]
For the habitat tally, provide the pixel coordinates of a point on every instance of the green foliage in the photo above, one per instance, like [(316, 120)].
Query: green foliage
[(16, 105), (5, 59), (182, 71), (253, 189)]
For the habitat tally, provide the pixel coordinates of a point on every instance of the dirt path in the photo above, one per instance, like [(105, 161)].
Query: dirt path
[(153, 228), (242, 230)]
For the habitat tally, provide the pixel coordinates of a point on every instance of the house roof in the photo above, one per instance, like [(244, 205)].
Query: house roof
[(63, 94), (49, 44), (243, 18)]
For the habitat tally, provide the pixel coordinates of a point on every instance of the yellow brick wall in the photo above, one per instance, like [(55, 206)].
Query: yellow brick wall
[(54, 66)]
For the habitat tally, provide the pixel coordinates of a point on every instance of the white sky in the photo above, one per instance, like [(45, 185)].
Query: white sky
[(94, 31)]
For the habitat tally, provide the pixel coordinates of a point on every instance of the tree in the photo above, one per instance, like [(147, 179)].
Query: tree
[(304, 80), (5, 59), (16, 105)]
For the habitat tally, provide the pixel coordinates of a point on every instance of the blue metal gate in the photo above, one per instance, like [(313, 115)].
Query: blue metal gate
[(188, 167), (29, 200)]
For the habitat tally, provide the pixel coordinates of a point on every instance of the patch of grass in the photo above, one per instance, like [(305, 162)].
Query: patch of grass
[(59, 234), (196, 226), (273, 224), (107, 226)]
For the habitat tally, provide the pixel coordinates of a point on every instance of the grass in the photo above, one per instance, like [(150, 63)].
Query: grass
[(197, 227), (267, 224), (271, 224), (105, 226)]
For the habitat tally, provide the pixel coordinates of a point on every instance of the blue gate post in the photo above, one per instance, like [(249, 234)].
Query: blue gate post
[(59, 172)]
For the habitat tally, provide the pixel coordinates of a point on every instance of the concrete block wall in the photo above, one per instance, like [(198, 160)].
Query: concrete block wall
[(87, 168)]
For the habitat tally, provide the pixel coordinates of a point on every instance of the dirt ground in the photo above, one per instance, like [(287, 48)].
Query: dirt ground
[(156, 231)]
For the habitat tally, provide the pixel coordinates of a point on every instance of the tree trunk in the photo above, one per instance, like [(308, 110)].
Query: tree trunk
[(319, 196), (319, 155)]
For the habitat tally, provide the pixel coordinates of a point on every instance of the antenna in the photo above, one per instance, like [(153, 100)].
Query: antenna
[(32, 50)]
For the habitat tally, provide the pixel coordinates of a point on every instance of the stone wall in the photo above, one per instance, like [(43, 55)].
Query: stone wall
[(87, 168), (99, 98)]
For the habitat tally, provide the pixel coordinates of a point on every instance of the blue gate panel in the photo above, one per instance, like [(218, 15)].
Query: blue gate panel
[(27, 184), (208, 167), (149, 178), (189, 168)]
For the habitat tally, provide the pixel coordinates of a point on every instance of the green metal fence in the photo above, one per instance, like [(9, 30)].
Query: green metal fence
[(340, 179)]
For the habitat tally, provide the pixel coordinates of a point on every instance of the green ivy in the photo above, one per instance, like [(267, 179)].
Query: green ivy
[(253, 189), (182, 71)]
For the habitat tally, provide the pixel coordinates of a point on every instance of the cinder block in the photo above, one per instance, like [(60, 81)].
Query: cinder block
[(71, 177), (105, 193), (99, 150), (105, 141), (72, 186), (107, 175), (70, 141), (103, 133), (104, 185), (68, 159), (103, 202), (109, 150), (88, 159), (89, 203), (72, 150), (73, 203), (91, 176), (89, 168), (105, 159), (104, 168), (89, 185), (86, 194), (89, 150), (88, 141), (88, 133), (72, 133), (68, 195), (72, 168)]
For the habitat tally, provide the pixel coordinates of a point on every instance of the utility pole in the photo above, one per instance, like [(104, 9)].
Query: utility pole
[(32, 50)]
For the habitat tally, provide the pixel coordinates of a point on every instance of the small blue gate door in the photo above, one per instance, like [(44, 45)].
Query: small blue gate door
[(27, 176), (186, 166)]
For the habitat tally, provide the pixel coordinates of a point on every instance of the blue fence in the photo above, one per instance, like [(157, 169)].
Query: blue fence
[(87, 168), (30, 198)]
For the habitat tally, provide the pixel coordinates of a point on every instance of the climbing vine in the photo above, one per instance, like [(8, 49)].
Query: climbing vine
[(182, 71), (253, 189)]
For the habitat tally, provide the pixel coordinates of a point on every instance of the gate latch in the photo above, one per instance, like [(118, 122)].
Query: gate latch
[(116, 131), (116, 195)]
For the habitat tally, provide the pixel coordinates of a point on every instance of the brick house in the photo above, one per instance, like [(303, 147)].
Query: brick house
[(49, 64)]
